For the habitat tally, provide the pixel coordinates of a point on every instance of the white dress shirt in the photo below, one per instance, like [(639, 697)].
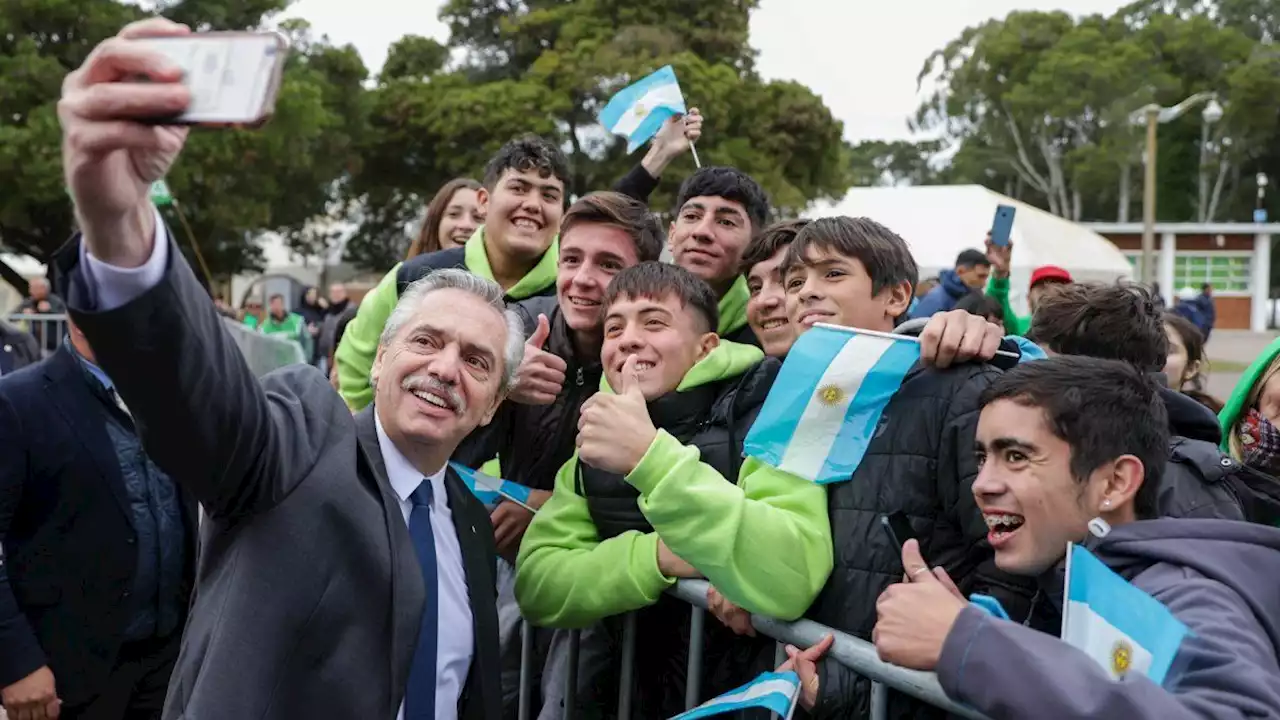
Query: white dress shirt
[(454, 638), (114, 287)]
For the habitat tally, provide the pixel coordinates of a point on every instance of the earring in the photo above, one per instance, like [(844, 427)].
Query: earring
[(1106, 504)]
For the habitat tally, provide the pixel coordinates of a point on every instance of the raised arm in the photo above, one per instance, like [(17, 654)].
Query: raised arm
[(199, 409)]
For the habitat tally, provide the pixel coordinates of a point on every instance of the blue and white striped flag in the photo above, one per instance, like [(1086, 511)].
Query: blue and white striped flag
[(490, 490), (638, 110), (776, 691), (1116, 623), (825, 404)]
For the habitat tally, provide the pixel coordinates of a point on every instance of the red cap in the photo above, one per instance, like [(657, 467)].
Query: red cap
[(1049, 273)]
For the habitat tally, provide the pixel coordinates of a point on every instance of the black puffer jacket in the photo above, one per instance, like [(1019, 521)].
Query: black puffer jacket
[(534, 441), (1197, 480), (921, 461)]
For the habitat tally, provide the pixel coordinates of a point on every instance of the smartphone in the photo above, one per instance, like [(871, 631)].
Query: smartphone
[(1002, 226), (234, 77), (898, 528)]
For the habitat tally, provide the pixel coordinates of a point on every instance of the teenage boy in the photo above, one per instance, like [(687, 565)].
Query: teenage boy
[(718, 210), (766, 297), (970, 275), (1044, 280), (858, 273), (669, 441), (524, 197)]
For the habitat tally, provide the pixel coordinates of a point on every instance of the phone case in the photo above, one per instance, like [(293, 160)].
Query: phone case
[(268, 107), (1002, 225)]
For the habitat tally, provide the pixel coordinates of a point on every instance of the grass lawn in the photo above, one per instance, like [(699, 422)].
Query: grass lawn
[(1227, 366)]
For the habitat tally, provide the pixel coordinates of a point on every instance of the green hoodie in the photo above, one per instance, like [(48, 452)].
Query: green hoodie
[(765, 543), (1235, 405), (733, 307), (359, 343), (1014, 324)]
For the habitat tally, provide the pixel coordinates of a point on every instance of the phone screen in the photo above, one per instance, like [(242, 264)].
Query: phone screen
[(230, 75), (1002, 225)]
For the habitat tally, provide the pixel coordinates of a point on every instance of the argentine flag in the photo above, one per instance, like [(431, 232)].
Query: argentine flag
[(1115, 623), (825, 404), (490, 490), (776, 691), (638, 110)]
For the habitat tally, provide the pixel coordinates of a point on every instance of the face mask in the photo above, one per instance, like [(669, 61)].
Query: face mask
[(1260, 441)]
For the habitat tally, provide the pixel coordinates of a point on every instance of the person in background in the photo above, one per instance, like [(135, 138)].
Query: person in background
[(984, 306), (452, 218), (253, 314), (99, 548), (285, 324), (1185, 367), (338, 307), (1251, 415), (40, 301), (1188, 306), (1121, 322), (1063, 443), (926, 285), (718, 210), (18, 349), (312, 309), (1208, 310), (970, 275), (1044, 279), (767, 304), (339, 326)]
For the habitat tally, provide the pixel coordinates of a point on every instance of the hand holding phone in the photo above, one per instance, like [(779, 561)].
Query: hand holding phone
[(233, 77), (1002, 225)]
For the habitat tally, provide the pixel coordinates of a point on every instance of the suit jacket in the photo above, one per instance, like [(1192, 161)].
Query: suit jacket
[(17, 349), (69, 544), (309, 594)]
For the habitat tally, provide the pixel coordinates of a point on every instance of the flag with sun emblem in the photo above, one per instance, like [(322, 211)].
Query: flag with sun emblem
[(638, 110), (1117, 624), (825, 404)]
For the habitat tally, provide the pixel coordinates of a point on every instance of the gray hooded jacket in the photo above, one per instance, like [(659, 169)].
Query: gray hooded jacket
[(1220, 577)]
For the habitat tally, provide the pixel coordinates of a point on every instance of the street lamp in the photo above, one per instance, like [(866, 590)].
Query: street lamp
[(1154, 116)]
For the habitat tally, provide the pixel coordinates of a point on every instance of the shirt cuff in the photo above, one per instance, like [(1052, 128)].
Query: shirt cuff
[(115, 286)]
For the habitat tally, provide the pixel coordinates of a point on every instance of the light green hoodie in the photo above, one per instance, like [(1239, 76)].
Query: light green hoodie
[(1236, 404), (359, 344), (733, 308), (764, 543)]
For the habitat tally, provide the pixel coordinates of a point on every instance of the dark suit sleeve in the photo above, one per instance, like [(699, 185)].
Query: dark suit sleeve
[(201, 413), (20, 652), (971, 563)]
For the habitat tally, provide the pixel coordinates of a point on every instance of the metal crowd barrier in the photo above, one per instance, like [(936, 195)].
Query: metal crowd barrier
[(47, 328), (851, 652)]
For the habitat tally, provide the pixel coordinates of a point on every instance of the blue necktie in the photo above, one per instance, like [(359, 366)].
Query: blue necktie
[(420, 698)]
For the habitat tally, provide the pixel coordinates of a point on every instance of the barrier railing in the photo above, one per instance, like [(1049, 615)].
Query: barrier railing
[(854, 653), (47, 328)]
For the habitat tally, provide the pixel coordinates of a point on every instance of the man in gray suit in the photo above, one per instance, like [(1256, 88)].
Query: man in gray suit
[(345, 571)]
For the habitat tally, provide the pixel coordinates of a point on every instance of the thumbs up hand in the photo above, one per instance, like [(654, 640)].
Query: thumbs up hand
[(915, 616), (541, 375), (615, 431)]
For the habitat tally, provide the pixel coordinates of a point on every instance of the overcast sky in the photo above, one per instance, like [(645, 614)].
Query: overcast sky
[(862, 57)]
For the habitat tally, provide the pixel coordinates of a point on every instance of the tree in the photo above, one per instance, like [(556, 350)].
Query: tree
[(549, 66), (230, 185), (1041, 104)]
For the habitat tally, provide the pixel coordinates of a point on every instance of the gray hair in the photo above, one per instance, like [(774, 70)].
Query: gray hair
[(487, 290)]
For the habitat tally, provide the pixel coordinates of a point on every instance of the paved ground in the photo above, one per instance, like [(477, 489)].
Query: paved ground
[(1232, 350)]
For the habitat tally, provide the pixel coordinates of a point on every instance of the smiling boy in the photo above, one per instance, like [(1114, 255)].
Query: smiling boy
[(667, 449)]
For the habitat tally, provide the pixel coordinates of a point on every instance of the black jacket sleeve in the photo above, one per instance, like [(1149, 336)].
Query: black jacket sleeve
[(20, 651), (637, 183)]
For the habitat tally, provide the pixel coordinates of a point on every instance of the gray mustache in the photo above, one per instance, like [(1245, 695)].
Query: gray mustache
[(420, 383)]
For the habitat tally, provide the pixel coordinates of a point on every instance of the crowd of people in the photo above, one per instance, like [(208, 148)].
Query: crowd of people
[(204, 543)]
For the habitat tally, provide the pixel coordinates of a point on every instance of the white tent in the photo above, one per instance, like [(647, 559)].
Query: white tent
[(941, 221)]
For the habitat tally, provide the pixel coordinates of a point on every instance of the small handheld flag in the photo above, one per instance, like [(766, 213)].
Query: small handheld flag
[(160, 194), (822, 412), (638, 111), (776, 691), (490, 490), (1117, 624)]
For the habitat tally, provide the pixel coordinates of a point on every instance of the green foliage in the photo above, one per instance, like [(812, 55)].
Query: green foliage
[(1038, 104), (549, 66), (229, 184)]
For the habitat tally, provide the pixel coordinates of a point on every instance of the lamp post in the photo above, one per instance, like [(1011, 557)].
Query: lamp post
[(1154, 116)]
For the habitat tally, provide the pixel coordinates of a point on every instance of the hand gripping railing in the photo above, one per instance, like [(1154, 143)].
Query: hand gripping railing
[(851, 652)]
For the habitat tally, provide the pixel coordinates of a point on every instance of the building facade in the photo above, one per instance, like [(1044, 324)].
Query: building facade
[(1235, 258)]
